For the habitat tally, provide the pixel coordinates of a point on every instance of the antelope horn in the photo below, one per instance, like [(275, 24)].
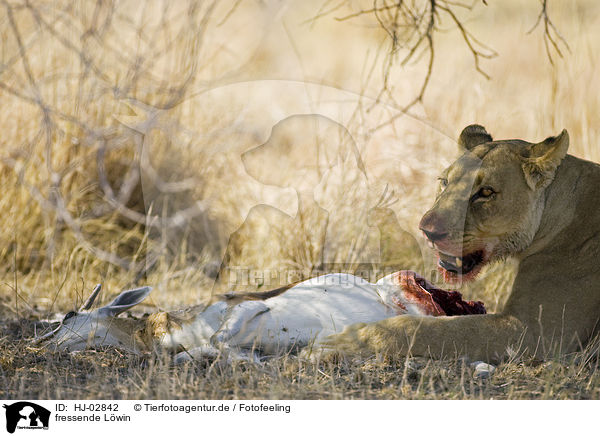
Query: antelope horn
[(38, 339), (88, 303)]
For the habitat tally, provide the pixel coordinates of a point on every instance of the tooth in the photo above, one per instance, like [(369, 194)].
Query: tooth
[(458, 262), (430, 244)]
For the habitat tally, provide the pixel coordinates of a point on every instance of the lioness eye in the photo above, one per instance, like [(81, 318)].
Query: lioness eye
[(484, 192), (443, 182)]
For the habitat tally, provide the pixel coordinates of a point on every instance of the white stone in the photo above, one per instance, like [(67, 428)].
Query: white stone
[(482, 369)]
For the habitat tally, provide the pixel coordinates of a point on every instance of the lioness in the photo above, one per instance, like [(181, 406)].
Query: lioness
[(499, 199)]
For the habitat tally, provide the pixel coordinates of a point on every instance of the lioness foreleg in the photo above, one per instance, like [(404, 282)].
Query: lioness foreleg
[(479, 337)]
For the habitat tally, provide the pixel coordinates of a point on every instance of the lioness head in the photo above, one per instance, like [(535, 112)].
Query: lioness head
[(490, 201)]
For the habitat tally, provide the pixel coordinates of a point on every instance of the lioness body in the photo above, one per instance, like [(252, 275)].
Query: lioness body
[(556, 293), (530, 201)]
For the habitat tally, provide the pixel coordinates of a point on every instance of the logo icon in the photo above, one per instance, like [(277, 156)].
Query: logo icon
[(26, 415)]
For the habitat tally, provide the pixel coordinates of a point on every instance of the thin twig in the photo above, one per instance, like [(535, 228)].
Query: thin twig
[(551, 34)]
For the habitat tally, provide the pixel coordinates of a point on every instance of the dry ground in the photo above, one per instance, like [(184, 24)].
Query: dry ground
[(90, 94), (28, 373)]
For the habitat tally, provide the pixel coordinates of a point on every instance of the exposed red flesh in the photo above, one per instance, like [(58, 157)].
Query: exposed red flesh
[(450, 303), (417, 294)]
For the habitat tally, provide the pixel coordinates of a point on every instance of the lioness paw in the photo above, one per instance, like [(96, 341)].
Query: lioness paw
[(347, 343)]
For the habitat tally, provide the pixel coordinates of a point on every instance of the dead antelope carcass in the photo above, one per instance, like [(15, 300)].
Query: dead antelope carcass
[(100, 327), (268, 323)]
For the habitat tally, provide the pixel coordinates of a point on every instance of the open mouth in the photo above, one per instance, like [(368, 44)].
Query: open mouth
[(465, 267), (461, 265)]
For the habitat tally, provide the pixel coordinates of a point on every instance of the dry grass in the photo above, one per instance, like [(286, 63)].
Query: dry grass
[(110, 374), (91, 95)]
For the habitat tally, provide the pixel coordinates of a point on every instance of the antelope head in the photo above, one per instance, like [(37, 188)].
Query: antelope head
[(100, 327)]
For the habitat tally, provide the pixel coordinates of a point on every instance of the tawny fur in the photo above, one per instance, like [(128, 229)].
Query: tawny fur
[(546, 214)]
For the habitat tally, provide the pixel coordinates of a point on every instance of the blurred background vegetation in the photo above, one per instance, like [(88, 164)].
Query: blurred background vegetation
[(124, 126)]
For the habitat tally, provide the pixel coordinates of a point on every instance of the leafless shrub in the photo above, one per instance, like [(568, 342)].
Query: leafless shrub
[(413, 27), (75, 148)]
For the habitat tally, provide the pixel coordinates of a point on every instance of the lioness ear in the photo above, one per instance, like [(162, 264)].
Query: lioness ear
[(472, 136), (541, 160)]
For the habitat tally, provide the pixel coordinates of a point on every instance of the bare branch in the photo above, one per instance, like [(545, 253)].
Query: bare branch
[(470, 41), (61, 128), (412, 28), (551, 34)]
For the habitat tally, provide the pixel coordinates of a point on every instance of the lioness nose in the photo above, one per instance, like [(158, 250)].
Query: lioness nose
[(432, 226)]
